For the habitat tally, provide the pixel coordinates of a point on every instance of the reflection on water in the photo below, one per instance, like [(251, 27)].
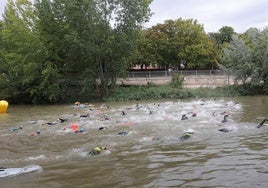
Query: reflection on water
[(150, 155)]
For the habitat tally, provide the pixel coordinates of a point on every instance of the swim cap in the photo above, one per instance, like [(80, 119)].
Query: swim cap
[(74, 126), (187, 135), (97, 149)]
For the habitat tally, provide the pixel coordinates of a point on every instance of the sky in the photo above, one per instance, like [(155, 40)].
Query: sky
[(212, 14)]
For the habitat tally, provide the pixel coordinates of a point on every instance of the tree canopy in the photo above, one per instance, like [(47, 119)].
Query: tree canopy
[(177, 42), (64, 50), (248, 55), (52, 46)]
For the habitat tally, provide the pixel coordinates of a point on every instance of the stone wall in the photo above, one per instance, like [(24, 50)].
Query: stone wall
[(192, 81), (211, 81)]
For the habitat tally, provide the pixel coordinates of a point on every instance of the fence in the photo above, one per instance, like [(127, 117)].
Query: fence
[(150, 74), (192, 78)]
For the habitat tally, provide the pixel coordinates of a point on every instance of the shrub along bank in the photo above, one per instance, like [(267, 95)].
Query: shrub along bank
[(153, 92)]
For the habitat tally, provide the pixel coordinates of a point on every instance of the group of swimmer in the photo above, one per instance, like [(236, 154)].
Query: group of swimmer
[(187, 134), (99, 149)]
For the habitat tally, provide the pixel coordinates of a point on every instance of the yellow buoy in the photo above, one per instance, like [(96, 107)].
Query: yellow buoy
[(3, 106)]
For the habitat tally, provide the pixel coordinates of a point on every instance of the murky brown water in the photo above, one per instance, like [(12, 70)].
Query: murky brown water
[(151, 155)]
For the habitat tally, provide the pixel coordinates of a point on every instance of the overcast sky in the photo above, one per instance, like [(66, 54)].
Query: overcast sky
[(212, 14)]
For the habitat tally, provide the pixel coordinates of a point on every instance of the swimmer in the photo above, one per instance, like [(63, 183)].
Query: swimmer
[(38, 132), (214, 114), (262, 123), (225, 118), (52, 123), (184, 117), (16, 129), (81, 130), (193, 114), (59, 120), (185, 135), (85, 115), (2, 168), (97, 150), (123, 113), (80, 105), (74, 127), (222, 113), (225, 113), (123, 133), (62, 120), (77, 103), (224, 130), (102, 128)]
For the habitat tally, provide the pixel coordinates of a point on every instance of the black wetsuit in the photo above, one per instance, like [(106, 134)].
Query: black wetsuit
[(123, 133), (224, 130), (2, 168), (225, 118), (184, 117), (261, 123)]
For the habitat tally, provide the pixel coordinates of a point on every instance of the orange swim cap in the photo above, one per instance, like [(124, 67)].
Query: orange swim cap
[(74, 126)]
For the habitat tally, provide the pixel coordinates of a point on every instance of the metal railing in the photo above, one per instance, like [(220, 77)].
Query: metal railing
[(149, 74)]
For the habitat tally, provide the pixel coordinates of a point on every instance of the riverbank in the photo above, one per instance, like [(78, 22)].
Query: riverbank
[(176, 91)]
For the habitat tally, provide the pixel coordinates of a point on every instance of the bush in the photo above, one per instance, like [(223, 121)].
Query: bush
[(177, 81)]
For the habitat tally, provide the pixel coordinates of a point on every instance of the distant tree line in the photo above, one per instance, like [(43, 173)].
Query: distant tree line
[(64, 50)]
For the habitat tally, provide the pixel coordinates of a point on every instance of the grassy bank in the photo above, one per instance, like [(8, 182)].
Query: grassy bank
[(153, 92)]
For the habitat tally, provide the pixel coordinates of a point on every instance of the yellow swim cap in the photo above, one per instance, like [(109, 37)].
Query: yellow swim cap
[(97, 149)]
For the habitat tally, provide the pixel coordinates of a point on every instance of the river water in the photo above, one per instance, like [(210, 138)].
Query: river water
[(150, 155)]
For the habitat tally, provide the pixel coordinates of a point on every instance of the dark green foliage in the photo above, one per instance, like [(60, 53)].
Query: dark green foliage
[(44, 44), (223, 36), (149, 92), (67, 50), (176, 43)]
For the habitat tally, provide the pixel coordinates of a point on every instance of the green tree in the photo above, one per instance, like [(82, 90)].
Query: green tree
[(23, 53), (92, 39), (68, 30), (237, 56), (179, 42), (56, 45), (259, 73), (248, 54), (128, 17), (147, 53), (223, 36)]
